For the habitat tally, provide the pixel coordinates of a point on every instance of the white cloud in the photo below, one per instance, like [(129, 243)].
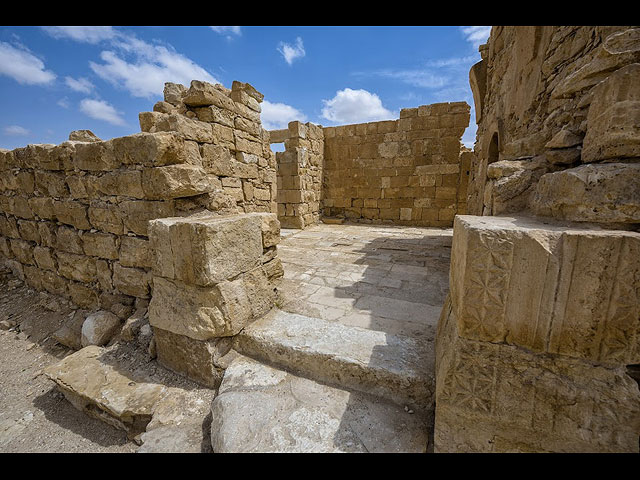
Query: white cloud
[(228, 31), (80, 85), (291, 52), (16, 131), (150, 66), (82, 34), (355, 106), (416, 78), (476, 35), (63, 102), (276, 116), (24, 67), (101, 110)]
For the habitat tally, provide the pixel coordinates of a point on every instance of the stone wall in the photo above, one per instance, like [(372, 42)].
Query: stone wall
[(538, 340), (299, 173), (558, 123), (74, 217), (406, 171)]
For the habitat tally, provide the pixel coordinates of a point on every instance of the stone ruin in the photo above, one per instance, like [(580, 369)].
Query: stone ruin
[(538, 342)]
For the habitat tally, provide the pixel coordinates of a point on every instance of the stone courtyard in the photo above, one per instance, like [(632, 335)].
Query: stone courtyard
[(374, 287)]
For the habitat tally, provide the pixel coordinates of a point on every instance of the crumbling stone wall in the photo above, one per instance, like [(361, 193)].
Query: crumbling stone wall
[(299, 173), (406, 171), (74, 217), (558, 123)]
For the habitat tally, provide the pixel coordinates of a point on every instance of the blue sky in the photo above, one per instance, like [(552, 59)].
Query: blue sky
[(57, 79)]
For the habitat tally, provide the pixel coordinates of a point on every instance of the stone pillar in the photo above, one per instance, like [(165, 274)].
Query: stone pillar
[(211, 277), (532, 346), (300, 170)]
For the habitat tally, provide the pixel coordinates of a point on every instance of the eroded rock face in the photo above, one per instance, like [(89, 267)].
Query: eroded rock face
[(569, 94), (613, 122), (591, 193)]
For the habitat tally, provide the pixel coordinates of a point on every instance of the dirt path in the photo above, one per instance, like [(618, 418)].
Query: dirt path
[(34, 416)]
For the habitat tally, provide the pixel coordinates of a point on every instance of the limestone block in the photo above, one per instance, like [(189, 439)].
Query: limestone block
[(101, 245), (203, 313), (104, 390), (83, 136), (51, 184), (261, 409), (202, 94), (175, 181), (127, 183), (42, 207), (19, 206), (23, 251), (82, 186), (106, 217), (204, 250), (135, 214), (68, 240), (98, 328), (195, 359), (162, 122), (549, 288), (83, 295), (135, 252), (248, 89), (613, 121), (173, 93), (270, 227), (29, 231), (76, 267), (501, 398), (151, 149), (607, 193), (44, 258), (71, 213), (131, 281), (70, 334), (217, 160), (213, 114), (95, 156)]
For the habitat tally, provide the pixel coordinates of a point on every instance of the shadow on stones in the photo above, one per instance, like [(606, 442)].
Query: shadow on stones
[(59, 411), (402, 286)]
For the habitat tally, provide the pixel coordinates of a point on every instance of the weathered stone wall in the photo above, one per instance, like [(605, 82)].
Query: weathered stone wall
[(299, 173), (543, 319), (558, 119), (74, 217), (406, 171)]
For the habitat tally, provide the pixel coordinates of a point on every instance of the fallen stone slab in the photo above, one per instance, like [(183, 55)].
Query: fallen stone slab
[(261, 409), (398, 368), (103, 392), (95, 382)]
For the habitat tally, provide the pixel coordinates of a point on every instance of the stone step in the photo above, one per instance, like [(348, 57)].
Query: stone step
[(262, 409), (398, 368)]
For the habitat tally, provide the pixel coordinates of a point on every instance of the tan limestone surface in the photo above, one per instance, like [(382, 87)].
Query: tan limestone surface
[(534, 342)]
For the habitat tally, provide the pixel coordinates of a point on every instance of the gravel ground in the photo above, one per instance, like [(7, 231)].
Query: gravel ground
[(34, 416)]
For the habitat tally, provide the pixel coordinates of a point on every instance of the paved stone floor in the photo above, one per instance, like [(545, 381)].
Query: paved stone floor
[(386, 278)]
